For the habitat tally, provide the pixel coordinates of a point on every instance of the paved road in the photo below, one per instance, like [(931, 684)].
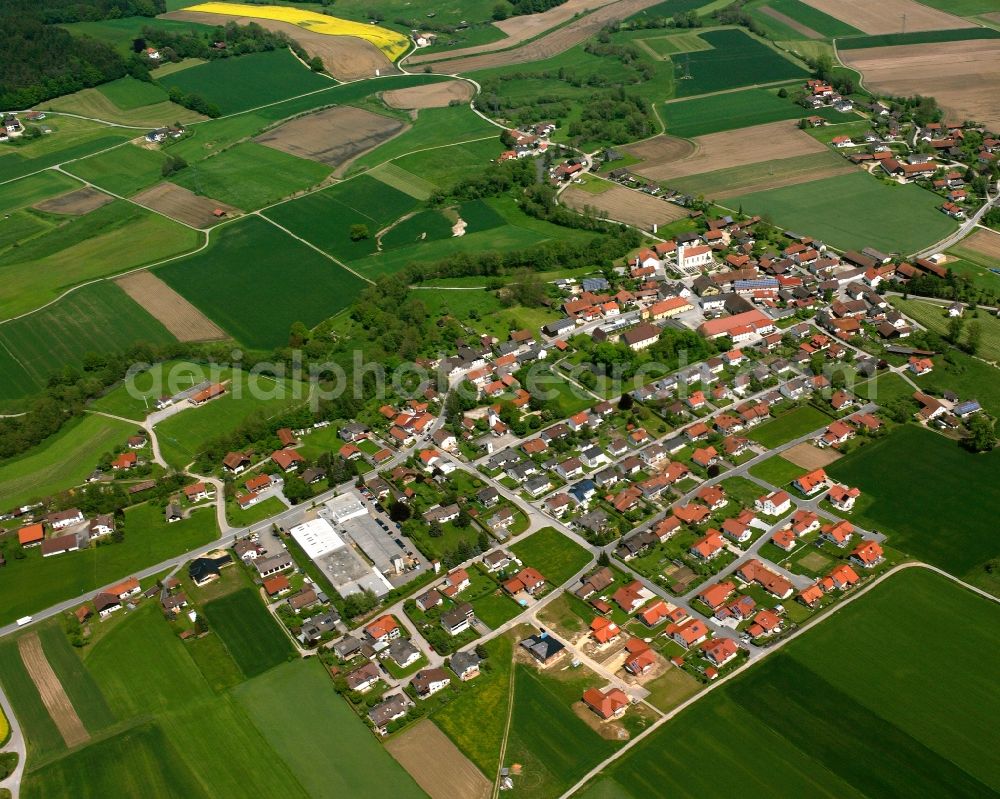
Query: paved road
[(15, 744), (963, 230)]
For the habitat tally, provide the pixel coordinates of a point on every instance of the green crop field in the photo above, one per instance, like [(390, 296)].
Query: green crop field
[(238, 84), (123, 171), (80, 687), (325, 218), (789, 426), (128, 93), (256, 281), (34, 189), (70, 139), (96, 318), (935, 317), (813, 18), (445, 166), (553, 554), (947, 478), (251, 175), (678, 43), (701, 116), (317, 735), (251, 635), (62, 461), (33, 583), (917, 37), (736, 60), (818, 709), (964, 8), (40, 732), (723, 183), (82, 248), (854, 211), (423, 227), (419, 188)]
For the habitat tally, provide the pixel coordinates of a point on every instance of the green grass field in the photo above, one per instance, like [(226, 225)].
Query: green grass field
[(935, 317), (777, 470), (262, 510), (70, 139), (701, 116), (255, 281), (736, 60), (251, 175), (666, 46), (96, 318), (82, 248), (419, 188), (121, 32), (968, 377), (40, 732), (128, 93), (789, 426), (854, 211), (62, 461), (78, 683), (974, 266), (723, 183), (252, 637), (918, 37), (819, 708), (136, 397), (320, 739), (553, 554), (34, 582), (889, 470), (123, 171), (34, 189), (238, 84), (813, 18), (445, 166)]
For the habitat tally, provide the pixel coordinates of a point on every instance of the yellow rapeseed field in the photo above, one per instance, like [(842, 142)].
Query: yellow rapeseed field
[(4, 726), (391, 43)]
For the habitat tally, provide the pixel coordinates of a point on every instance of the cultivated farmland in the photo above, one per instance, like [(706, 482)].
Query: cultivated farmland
[(336, 135), (984, 243), (253, 638), (438, 766), (181, 318), (817, 707), (70, 139), (853, 211), (885, 17), (35, 189), (123, 170), (787, 21), (964, 77), (432, 95), (51, 691), (183, 205), (75, 203), (625, 205), (725, 183), (806, 15)]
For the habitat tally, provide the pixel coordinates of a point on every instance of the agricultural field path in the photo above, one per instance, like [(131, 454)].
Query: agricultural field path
[(14, 744)]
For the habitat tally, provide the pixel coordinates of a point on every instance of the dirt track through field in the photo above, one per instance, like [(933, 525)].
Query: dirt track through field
[(345, 57), (432, 95), (732, 148), (964, 77), (438, 766), (333, 137), (795, 25), (811, 457), (174, 312), (985, 242), (76, 203), (625, 205), (886, 16), (51, 691), (184, 205), (547, 46)]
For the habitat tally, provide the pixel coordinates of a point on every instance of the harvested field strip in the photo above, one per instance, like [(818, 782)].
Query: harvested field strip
[(798, 27), (884, 17), (92, 103), (40, 732), (823, 24), (406, 182), (661, 150), (177, 315), (432, 95), (76, 203), (724, 183), (78, 683), (184, 205), (51, 691), (666, 46), (983, 242), (438, 766), (625, 205), (916, 37)]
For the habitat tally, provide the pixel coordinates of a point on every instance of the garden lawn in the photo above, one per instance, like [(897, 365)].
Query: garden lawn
[(251, 635), (256, 281), (251, 175), (553, 554), (777, 471), (124, 170), (319, 737), (100, 243), (912, 481), (789, 426), (820, 706), (34, 583), (854, 211), (239, 84), (257, 513), (61, 461)]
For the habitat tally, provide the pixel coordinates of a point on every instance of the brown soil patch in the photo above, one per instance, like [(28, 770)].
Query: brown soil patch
[(795, 25), (345, 57), (993, 16), (734, 148), (625, 205), (183, 205), (809, 456), (963, 76), (51, 691), (76, 203), (985, 242), (612, 729), (661, 149), (438, 766), (335, 136), (545, 47), (174, 312), (886, 15), (433, 95)]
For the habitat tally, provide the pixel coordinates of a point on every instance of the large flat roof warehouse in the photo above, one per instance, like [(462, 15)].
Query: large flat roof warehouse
[(317, 537), (346, 506)]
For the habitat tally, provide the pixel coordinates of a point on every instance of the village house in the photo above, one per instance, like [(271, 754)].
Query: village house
[(609, 704)]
